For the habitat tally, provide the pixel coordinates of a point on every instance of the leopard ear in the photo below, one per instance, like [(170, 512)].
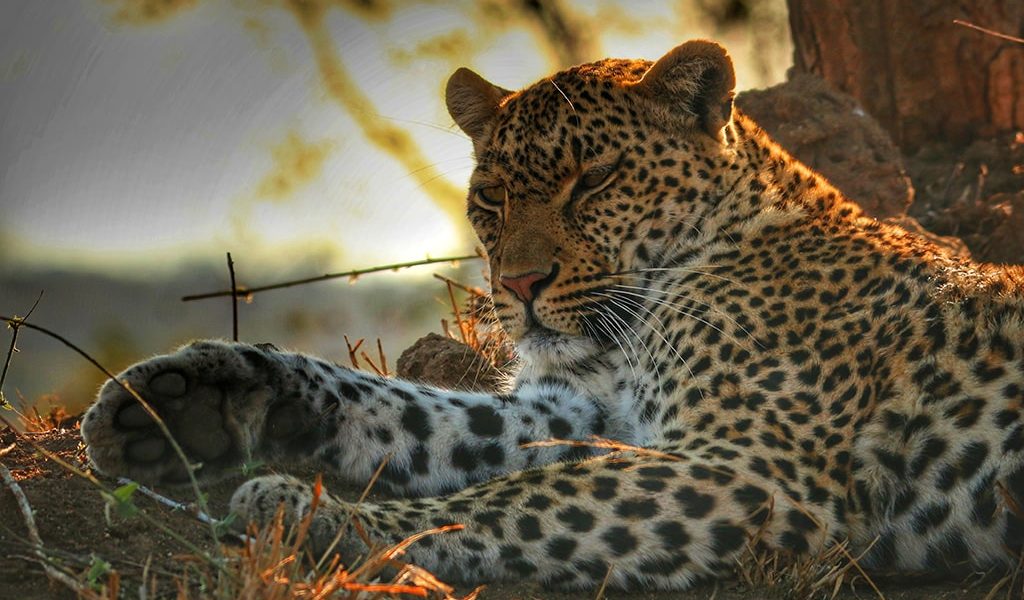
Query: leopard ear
[(473, 102), (695, 79)]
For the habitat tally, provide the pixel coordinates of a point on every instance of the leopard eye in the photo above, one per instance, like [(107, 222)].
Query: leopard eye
[(594, 178), (492, 197)]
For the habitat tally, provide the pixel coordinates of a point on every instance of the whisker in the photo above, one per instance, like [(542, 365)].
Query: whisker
[(440, 162), (654, 330), (447, 129), (655, 364), (682, 269), (571, 105), (613, 323), (654, 361), (680, 308), (607, 320)]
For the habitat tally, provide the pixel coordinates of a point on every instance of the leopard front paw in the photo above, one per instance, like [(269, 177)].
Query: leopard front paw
[(212, 396), (259, 500)]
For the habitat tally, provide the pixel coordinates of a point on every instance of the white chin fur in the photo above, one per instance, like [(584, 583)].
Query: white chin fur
[(552, 348)]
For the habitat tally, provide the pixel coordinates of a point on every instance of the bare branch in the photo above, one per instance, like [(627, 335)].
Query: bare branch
[(191, 509), (234, 300), (473, 290), (352, 275), (14, 346), (985, 30)]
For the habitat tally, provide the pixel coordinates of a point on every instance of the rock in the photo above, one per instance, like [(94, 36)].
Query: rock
[(829, 132), (441, 361)]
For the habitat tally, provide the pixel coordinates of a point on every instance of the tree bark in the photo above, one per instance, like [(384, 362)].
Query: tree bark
[(922, 76)]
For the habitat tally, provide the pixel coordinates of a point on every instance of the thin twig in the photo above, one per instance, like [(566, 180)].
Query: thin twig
[(33, 533), (354, 510), (596, 441), (457, 312), (352, 275), (191, 509), (604, 583), (997, 34), (352, 356), (466, 288), (14, 345), (19, 322), (234, 299), (383, 357)]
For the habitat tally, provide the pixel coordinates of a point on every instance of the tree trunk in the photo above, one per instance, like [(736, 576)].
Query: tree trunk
[(922, 76)]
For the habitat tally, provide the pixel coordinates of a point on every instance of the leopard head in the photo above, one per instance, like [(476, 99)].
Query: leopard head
[(588, 177)]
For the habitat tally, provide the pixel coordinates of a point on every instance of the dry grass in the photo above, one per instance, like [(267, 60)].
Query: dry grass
[(276, 565), (475, 323)]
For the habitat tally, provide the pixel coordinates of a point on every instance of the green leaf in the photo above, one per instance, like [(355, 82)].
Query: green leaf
[(250, 467), (98, 569), (126, 510), (125, 492), (121, 500), (223, 526)]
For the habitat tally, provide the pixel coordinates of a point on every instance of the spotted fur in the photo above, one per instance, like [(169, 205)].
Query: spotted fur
[(788, 369)]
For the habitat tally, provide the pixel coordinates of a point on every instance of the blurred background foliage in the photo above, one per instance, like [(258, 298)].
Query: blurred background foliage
[(141, 139)]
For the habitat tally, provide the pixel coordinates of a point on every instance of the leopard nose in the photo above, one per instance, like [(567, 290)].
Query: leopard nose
[(527, 286)]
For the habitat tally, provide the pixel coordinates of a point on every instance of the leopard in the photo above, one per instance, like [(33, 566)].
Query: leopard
[(718, 353)]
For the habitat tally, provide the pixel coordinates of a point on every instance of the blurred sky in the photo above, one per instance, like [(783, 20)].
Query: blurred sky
[(135, 135)]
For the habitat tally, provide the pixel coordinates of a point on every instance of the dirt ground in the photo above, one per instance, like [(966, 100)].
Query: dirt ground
[(69, 512)]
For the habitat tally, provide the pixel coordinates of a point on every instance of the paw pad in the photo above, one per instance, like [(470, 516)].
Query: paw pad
[(205, 396), (171, 384), (146, 450), (134, 416)]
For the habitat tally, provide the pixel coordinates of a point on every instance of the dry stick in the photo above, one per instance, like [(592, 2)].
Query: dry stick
[(200, 499), (33, 533), (856, 564), (354, 510), (383, 357), (14, 346), (245, 292), (596, 441), (466, 288), (988, 31), (352, 357), (457, 313), (373, 365), (604, 583), (173, 504), (234, 300)]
